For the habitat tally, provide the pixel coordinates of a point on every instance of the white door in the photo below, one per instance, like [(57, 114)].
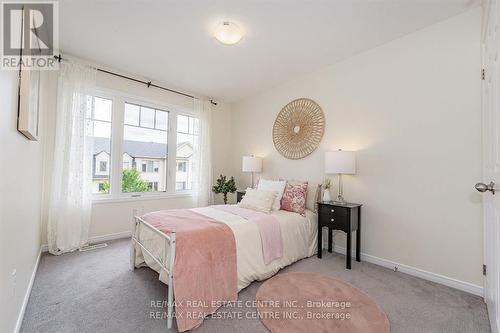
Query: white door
[(491, 161)]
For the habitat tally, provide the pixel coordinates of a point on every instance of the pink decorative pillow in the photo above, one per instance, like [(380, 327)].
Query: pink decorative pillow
[(294, 198)]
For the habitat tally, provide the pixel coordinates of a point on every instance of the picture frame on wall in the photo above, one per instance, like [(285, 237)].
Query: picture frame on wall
[(29, 111), (29, 94)]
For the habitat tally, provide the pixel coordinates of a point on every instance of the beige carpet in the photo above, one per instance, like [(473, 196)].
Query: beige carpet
[(299, 302), (94, 292)]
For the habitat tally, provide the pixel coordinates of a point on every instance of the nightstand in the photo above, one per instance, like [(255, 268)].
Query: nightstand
[(240, 195), (345, 217)]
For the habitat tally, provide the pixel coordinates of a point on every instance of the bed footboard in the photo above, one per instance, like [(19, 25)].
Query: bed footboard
[(169, 241)]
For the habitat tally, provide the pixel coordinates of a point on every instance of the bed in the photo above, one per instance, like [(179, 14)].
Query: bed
[(156, 249)]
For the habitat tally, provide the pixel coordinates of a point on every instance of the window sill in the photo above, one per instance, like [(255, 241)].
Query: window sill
[(97, 201)]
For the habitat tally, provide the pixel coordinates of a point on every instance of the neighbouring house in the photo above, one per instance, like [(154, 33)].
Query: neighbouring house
[(183, 177), (149, 158)]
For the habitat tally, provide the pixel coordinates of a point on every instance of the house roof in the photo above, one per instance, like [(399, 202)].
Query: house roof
[(135, 148)]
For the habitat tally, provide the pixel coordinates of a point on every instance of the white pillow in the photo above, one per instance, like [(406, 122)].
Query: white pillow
[(259, 200), (273, 185)]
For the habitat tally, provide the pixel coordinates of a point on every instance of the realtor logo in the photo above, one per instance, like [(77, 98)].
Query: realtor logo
[(30, 35)]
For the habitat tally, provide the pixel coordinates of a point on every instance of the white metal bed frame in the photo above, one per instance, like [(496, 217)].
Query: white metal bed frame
[(168, 267)]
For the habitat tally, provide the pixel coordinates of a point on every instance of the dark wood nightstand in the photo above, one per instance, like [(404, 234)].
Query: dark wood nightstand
[(240, 195), (337, 216)]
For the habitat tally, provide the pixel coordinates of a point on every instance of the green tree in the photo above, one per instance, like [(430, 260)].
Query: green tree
[(131, 182), (224, 186)]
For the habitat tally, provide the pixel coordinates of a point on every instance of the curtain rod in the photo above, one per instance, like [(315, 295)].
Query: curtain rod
[(147, 83)]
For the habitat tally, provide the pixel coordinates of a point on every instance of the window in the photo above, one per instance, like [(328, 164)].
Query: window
[(180, 186), (157, 146), (181, 166), (103, 166), (98, 126), (151, 166), (145, 140), (141, 116), (187, 133)]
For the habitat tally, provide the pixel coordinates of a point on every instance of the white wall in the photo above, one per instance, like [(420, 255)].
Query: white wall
[(114, 217), (222, 148), (20, 201), (411, 110)]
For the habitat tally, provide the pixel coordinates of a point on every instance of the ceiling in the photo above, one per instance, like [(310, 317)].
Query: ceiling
[(171, 42)]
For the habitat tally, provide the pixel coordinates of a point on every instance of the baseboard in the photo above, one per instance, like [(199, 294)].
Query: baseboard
[(420, 273), (28, 293), (110, 237), (100, 239)]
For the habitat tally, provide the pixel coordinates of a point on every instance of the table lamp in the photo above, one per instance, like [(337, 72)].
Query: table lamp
[(251, 164), (340, 162)]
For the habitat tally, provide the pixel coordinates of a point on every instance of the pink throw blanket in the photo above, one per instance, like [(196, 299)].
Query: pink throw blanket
[(205, 275), (269, 229)]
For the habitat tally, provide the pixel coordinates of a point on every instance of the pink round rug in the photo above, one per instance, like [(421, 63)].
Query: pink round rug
[(311, 302)]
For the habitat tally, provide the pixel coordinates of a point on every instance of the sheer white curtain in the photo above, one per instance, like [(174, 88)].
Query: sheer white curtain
[(203, 153), (70, 197)]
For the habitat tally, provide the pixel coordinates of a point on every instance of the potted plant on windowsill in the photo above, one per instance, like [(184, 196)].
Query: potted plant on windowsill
[(224, 186)]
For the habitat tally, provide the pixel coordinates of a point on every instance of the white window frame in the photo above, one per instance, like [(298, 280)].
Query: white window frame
[(115, 165), (103, 95)]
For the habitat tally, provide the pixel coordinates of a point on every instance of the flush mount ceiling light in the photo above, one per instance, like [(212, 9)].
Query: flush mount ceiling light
[(228, 33)]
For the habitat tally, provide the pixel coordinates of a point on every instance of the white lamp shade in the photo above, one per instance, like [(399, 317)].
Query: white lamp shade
[(340, 161), (251, 164)]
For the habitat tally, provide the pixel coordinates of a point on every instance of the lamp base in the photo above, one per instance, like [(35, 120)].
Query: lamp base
[(340, 200)]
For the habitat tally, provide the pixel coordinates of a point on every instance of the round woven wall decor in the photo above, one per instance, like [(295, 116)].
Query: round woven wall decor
[(299, 128)]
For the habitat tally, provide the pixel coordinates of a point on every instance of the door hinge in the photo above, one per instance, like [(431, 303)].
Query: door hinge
[(484, 270), (483, 74)]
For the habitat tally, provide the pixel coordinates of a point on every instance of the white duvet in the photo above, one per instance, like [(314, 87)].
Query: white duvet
[(299, 236)]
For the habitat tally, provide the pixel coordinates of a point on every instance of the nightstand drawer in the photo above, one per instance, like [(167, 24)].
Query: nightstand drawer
[(334, 221), (330, 210)]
